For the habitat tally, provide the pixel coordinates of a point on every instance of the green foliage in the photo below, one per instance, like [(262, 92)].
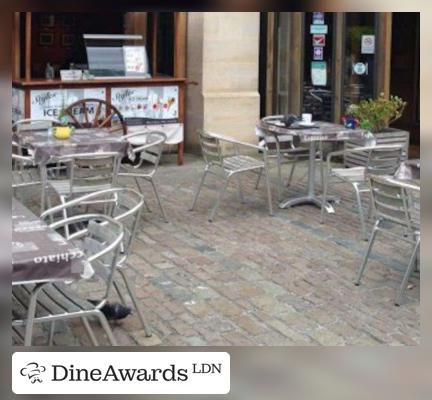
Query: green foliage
[(375, 115)]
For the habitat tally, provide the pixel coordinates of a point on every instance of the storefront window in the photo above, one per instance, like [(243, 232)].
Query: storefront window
[(359, 68), (318, 77)]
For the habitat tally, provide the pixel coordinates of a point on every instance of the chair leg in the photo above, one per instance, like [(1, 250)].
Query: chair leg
[(158, 200), (65, 215), (279, 183), (268, 191), (141, 191), (119, 292), (259, 178), (218, 199), (360, 211), (322, 170), (199, 189), (368, 251), (51, 333), (292, 171), (90, 332), (240, 189), (408, 273), (106, 327), (136, 304), (324, 197)]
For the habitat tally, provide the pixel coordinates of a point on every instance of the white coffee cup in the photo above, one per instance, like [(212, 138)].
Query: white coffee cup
[(307, 118)]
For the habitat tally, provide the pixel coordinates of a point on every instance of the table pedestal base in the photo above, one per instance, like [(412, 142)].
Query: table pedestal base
[(312, 200)]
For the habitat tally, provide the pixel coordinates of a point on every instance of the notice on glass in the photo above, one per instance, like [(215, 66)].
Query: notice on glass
[(319, 73), (135, 60), (368, 44)]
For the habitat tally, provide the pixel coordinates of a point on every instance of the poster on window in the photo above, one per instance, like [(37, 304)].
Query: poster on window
[(147, 104), (17, 104), (368, 44), (49, 103), (319, 73)]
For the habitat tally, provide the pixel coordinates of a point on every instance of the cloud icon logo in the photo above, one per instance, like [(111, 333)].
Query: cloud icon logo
[(32, 371)]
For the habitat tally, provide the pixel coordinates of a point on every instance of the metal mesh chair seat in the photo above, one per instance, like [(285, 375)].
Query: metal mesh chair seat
[(242, 163), (53, 300)]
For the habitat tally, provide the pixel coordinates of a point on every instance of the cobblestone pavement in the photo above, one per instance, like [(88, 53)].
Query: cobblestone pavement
[(251, 279)]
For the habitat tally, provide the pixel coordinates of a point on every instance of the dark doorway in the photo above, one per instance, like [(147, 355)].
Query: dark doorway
[(405, 73)]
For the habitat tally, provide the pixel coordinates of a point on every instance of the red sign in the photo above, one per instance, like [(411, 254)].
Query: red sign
[(318, 40)]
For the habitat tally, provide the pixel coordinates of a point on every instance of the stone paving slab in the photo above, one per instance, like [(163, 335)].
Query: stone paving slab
[(251, 279)]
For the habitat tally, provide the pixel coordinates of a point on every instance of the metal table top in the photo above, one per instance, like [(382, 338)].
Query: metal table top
[(46, 146), (321, 131), (39, 254)]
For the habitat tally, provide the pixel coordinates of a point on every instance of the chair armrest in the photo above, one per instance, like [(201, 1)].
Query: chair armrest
[(23, 159), (236, 142)]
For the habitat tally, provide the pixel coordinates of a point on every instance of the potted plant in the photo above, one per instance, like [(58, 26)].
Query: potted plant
[(375, 116)]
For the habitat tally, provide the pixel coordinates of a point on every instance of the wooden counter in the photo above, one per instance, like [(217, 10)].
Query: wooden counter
[(159, 97)]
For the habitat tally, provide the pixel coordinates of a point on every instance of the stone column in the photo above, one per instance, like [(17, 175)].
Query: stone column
[(223, 56)]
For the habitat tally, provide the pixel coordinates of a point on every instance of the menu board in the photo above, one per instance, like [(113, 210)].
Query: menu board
[(152, 102), (49, 103), (17, 104)]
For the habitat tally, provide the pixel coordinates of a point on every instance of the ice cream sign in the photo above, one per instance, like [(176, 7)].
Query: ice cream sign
[(49, 103), (158, 102)]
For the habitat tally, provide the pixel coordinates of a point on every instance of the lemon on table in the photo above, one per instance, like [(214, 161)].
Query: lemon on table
[(62, 132)]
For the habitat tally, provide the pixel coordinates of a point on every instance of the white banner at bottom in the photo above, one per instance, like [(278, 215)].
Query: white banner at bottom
[(121, 372)]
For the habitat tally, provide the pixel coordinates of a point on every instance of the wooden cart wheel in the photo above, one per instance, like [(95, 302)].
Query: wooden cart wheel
[(96, 114)]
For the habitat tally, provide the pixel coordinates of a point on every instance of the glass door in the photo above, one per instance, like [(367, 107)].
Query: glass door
[(318, 79), (359, 61)]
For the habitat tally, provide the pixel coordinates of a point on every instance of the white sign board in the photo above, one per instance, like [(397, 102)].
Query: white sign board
[(156, 102), (17, 104), (135, 60), (368, 44), (49, 103)]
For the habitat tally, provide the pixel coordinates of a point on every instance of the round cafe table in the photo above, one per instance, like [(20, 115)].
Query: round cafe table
[(320, 132)]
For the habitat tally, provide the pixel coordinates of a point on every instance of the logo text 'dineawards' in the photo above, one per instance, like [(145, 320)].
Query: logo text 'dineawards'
[(121, 373)]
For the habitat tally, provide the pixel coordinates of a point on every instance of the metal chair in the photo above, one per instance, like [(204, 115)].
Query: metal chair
[(395, 204), (25, 172), (148, 147), (382, 160), (282, 149), (229, 165), (124, 205), (100, 241)]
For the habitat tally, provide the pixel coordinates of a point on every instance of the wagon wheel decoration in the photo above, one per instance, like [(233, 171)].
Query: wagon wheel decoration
[(96, 114)]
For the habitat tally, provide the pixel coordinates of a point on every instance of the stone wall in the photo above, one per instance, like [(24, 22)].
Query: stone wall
[(223, 52)]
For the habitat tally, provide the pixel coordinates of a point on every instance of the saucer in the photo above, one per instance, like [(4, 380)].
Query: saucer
[(306, 124)]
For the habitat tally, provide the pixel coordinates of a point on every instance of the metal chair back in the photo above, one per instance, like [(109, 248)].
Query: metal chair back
[(122, 204), (88, 172), (394, 201), (275, 144), (384, 160), (99, 237), (151, 151), (30, 124), (211, 148)]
